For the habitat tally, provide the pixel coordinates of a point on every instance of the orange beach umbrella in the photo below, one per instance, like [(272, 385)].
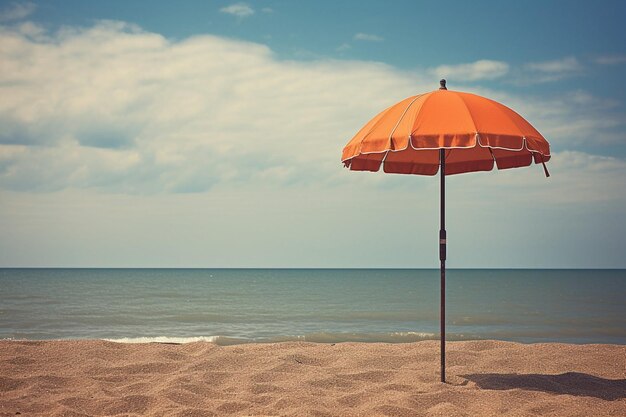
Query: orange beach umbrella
[(450, 132)]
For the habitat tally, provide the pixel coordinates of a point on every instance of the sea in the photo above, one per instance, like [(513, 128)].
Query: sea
[(233, 306)]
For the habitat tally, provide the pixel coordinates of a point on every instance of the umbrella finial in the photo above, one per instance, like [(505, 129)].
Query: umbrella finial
[(442, 84)]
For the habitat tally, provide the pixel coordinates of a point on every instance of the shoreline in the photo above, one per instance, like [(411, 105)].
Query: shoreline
[(225, 341), (485, 377)]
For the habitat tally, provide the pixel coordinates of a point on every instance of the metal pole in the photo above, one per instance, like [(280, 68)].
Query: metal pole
[(442, 253), (442, 258)]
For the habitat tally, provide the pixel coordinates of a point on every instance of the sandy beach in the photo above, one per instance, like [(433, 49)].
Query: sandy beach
[(486, 378)]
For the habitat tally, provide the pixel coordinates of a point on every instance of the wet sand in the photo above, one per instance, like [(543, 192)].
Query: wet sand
[(485, 378)]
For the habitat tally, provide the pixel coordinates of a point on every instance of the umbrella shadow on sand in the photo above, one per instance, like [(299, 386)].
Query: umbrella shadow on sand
[(571, 383)]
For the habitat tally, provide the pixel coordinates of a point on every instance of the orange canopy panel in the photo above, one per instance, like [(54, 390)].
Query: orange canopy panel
[(475, 131)]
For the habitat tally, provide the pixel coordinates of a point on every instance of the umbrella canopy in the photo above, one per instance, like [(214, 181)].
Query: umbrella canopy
[(449, 132), (475, 132)]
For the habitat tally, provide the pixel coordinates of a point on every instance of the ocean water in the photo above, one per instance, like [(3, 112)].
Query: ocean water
[(230, 306)]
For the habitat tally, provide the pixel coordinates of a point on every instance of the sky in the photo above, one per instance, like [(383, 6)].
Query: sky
[(209, 133)]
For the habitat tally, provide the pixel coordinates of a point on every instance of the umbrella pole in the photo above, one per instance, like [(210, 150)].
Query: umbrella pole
[(442, 258)]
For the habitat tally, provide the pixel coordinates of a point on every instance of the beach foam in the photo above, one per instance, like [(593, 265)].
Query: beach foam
[(163, 339), (322, 337)]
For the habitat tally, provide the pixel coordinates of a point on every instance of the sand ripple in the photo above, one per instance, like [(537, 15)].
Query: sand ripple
[(486, 378)]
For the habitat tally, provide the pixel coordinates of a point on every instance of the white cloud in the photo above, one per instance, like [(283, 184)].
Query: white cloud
[(17, 11), (483, 69), (558, 66), (240, 10), (611, 59), (549, 71), (143, 114), (368, 37), (576, 178), (587, 179), (120, 109), (112, 134)]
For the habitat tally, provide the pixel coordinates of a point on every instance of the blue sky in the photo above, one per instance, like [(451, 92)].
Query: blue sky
[(208, 134)]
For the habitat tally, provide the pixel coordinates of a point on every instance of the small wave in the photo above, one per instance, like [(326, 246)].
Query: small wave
[(164, 339), (323, 337)]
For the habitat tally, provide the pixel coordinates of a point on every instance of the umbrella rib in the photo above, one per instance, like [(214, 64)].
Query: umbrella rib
[(503, 110), (379, 116), (402, 117), (382, 161), (386, 151), (411, 137), (534, 150)]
